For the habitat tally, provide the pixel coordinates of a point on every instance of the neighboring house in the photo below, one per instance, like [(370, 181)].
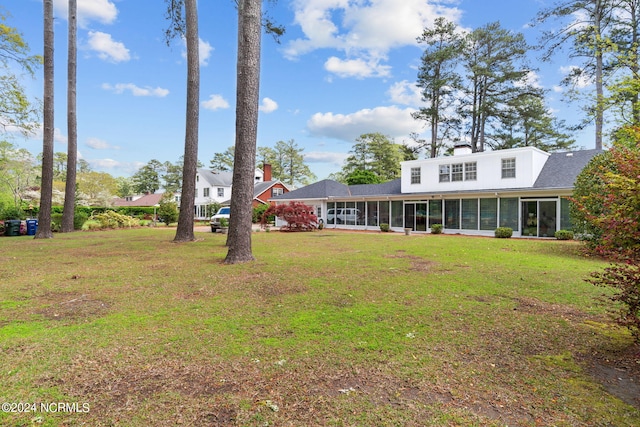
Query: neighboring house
[(215, 187), (525, 189), (142, 200)]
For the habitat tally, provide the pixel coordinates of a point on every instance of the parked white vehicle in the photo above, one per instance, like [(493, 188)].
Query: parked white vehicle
[(343, 216), (223, 213)]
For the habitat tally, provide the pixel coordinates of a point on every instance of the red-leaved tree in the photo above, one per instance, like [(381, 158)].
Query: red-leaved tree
[(618, 220), (299, 217)]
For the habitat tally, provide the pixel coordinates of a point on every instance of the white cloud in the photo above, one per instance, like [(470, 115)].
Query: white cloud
[(107, 48), (128, 168), (216, 102), (364, 30), (392, 121), (405, 93), (204, 51), (580, 79), (99, 144), (103, 11), (358, 68), (120, 88), (334, 158), (531, 79), (268, 105)]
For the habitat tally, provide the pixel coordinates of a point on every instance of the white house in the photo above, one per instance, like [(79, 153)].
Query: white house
[(215, 187), (525, 189)]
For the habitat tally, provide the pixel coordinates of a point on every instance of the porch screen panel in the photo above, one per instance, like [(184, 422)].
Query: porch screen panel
[(565, 218), (470, 214), (383, 212), (349, 215), (452, 214), (360, 215), (331, 213), (435, 212), (397, 214), (372, 213), (509, 213), (488, 214)]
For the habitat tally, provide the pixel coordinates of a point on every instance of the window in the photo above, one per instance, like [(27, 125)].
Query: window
[(276, 191), (470, 171), (456, 172), (220, 192), (205, 192), (444, 173), (509, 168), (415, 175)]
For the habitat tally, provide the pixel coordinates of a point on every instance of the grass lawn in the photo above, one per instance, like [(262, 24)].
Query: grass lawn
[(126, 328)]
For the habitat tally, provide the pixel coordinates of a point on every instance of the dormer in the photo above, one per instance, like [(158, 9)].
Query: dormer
[(465, 171)]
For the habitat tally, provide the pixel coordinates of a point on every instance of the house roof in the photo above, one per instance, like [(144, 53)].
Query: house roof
[(561, 169), (329, 188), (217, 178), (146, 200)]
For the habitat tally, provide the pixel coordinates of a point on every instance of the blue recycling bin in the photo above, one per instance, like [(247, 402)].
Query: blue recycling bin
[(32, 227)]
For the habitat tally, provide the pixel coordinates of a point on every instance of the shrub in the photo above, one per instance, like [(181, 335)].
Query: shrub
[(384, 227), (625, 278), (168, 210), (299, 217), (111, 219), (12, 212), (56, 222), (258, 211), (503, 232), (436, 229), (564, 235)]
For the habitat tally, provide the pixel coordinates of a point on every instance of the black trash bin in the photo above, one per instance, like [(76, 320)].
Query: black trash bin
[(32, 227), (12, 227)]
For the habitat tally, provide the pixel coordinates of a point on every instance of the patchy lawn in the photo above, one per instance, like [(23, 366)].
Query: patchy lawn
[(325, 328)]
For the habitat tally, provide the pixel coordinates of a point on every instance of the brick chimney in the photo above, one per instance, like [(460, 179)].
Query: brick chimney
[(267, 172)]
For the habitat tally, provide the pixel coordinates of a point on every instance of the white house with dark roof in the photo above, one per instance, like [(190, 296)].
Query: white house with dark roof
[(215, 187), (525, 189)]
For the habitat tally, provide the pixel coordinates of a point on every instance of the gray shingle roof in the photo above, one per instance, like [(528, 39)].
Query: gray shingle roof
[(562, 169), (329, 188), (217, 178), (317, 190)]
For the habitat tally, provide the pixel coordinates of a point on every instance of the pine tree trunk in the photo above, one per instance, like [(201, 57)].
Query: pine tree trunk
[(184, 232), (247, 99), (72, 125), (46, 187)]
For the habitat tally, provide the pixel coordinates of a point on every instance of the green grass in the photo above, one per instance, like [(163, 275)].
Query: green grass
[(325, 328)]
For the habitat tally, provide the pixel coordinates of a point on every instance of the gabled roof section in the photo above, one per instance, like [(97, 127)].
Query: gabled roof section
[(261, 187), (384, 189), (217, 178), (329, 188), (562, 169), (318, 190)]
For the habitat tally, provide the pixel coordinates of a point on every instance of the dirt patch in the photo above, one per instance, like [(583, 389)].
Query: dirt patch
[(618, 371), (67, 306), (417, 263)]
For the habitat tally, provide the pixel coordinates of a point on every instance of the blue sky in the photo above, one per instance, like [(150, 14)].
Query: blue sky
[(343, 68)]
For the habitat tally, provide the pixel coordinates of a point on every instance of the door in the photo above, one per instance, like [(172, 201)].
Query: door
[(539, 218), (410, 216)]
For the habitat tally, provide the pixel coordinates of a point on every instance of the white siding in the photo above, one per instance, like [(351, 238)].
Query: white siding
[(529, 163)]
